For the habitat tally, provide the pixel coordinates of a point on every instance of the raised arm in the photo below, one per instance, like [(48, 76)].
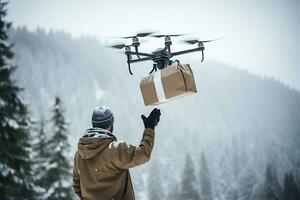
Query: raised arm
[(129, 156)]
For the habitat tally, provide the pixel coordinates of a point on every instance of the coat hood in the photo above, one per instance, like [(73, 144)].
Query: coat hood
[(94, 141)]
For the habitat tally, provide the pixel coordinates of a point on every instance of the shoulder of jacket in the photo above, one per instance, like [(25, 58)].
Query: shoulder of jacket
[(76, 155), (117, 144)]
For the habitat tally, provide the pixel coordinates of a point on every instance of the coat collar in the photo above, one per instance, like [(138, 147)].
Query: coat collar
[(98, 133)]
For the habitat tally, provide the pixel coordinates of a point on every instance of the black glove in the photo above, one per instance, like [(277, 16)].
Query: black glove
[(152, 120)]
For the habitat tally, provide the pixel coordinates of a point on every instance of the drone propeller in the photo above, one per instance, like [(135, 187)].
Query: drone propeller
[(135, 41), (198, 41), (172, 35), (119, 46), (138, 35)]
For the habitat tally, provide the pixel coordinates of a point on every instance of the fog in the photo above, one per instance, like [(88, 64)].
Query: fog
[(236, 137), (260, 36), (240, 122)]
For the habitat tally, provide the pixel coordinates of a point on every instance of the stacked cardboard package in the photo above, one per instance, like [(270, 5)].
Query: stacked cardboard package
[(176, 80)]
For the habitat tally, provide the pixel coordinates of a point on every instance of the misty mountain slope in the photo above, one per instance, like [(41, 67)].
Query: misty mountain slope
[(241, 121)]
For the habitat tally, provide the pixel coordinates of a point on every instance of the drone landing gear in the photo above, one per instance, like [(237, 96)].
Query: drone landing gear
[(202, 56), (153, 69), (128, 63), (129, 69)]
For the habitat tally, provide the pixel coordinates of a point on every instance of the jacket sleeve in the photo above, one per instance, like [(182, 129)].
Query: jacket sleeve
[(129, 156), (76, 179)]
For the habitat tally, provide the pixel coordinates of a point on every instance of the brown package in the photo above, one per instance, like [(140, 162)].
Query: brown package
[(148, 90), (178, 80)]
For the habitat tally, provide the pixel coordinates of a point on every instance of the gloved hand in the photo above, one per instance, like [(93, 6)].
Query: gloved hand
[(152, 120)]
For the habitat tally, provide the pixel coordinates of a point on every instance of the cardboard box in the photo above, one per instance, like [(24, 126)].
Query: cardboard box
[(175, 81), (178, 80), (148, 90)]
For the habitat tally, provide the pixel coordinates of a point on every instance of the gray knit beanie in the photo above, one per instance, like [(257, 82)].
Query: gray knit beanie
[(102, 117)]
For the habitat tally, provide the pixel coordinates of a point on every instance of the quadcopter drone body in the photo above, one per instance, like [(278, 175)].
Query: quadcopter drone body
[(160, 57)]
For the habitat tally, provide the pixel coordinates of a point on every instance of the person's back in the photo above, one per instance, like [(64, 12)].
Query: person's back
[(101, 162)]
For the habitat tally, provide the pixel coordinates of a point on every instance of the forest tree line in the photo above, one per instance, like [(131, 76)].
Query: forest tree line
[(195, 184), (35, 163)]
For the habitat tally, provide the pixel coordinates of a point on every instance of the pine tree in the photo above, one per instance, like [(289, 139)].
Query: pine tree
[(174, 192), (41, 154), (291, 191), (232, 194), (188, 183), (272, 189), (205, 180), (247, 183), (15, 164), (155, 188), (59, 169)]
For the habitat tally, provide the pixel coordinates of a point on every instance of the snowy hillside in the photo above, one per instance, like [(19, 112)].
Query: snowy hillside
[(242, 122)]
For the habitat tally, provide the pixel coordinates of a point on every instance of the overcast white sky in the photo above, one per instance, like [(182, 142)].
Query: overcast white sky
[(261, 36)]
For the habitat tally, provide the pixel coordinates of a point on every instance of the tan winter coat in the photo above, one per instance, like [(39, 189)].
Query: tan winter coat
[(101, 165)]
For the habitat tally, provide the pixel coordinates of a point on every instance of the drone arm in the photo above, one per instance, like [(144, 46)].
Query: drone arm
[(139, 60), (187, 51), (137, 50), (141, 54)]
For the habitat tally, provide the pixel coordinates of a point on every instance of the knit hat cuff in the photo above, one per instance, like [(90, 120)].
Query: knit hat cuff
[(105, 123)]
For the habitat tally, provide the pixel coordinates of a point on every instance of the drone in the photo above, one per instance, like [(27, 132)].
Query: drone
[(160, 57)]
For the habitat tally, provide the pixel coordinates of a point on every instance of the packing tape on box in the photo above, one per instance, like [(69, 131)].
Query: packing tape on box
[(159, 87)]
